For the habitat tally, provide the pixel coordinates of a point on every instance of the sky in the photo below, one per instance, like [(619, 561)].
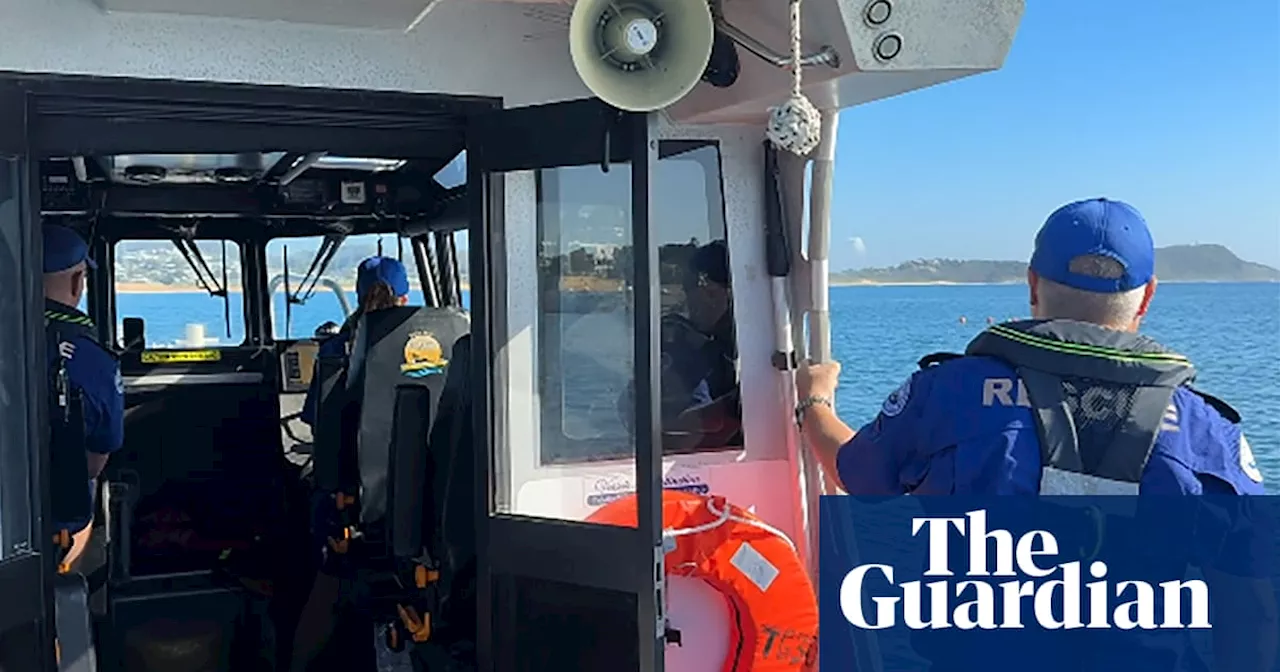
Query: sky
[(1170, 105)]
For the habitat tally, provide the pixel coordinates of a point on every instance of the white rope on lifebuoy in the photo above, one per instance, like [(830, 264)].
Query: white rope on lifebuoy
[(795, 125), (723, 516)]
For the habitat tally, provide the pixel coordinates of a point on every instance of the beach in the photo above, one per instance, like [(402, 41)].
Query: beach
[(567, 284)]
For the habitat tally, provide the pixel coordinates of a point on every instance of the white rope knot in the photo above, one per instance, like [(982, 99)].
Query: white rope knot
[(795, 125)]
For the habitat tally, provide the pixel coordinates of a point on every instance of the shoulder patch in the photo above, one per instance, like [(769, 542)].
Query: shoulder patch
[(1247, 463), (897, 400), (119, 382)]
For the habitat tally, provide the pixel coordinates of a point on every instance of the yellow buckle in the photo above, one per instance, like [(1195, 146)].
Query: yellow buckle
[(419, 627)]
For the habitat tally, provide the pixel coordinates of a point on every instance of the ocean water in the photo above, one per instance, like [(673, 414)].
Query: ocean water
[(1230, 331)]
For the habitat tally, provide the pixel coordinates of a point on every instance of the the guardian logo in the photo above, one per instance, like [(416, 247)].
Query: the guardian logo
[(1055, 602)]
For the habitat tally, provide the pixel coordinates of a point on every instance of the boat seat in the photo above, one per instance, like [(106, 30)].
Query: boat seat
[(451, 523), (334, 467), (395, 427), (397, 373)]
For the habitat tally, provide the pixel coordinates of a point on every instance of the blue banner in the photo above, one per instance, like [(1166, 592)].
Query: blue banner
[(961, 584)]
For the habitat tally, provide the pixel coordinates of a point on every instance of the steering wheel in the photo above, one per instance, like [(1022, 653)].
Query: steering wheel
[(284, 424)]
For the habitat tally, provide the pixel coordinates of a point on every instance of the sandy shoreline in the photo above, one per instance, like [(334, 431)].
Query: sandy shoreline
[(151, 288)]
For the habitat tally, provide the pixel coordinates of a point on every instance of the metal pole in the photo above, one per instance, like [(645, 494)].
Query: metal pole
[(824, 159), (866, 646), (819, 350)]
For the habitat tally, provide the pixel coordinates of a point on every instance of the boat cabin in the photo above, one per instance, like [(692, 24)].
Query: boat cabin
[(610, 280)]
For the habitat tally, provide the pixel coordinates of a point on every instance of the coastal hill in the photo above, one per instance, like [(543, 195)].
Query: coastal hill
[(1176, 263), (157, 266)]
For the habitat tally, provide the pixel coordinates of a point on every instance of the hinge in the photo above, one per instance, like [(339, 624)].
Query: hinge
[(660, 588)]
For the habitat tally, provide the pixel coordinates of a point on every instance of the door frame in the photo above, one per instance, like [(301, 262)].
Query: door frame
[(57, 115), (572, 133), (30, 572)]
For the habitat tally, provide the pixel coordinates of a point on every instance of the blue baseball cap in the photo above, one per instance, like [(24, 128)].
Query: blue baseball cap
[(64, 249), (1099, 227), (382, 269)]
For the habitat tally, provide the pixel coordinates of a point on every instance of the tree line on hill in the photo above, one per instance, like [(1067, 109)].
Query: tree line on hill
[(1176, 263)]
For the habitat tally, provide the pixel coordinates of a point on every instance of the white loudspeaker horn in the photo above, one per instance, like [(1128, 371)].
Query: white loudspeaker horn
[(641, 55)]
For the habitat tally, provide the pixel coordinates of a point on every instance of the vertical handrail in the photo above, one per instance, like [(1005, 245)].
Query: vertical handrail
[(813, 481), (819, 341)]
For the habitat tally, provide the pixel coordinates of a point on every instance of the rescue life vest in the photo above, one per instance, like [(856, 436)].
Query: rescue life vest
[(1099, 398), (772, 605), (70, 497)]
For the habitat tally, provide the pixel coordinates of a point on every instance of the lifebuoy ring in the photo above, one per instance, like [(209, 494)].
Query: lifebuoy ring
[(772, 605)]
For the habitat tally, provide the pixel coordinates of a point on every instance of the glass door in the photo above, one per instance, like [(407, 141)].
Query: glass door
[(26, 631), (563, 272)]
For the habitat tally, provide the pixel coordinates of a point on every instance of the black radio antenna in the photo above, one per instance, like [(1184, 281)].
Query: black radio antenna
[(226, 291), (288, 303)]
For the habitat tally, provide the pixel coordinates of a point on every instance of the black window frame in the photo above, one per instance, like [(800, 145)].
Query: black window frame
[(245, 313), (549, 361)]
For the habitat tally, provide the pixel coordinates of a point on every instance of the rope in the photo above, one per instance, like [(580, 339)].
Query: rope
[(796, 46), (723, 516), (796, 125)]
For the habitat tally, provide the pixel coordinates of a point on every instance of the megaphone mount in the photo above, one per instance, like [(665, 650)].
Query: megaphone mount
[(825, 55)]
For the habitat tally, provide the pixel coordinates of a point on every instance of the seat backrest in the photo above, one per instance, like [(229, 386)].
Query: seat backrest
[(334, 465), (397, 371), (451, 522)]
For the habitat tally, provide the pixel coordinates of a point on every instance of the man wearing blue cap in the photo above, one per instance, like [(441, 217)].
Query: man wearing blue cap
[(1091, 280), (1072, 402), (381, 282), (80, 369)]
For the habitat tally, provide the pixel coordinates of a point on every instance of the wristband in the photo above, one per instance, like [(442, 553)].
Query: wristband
[(808, 403)]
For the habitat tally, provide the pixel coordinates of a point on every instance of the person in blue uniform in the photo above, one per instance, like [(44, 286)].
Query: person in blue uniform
[(89, 371), (381, 282), (1072, 402)]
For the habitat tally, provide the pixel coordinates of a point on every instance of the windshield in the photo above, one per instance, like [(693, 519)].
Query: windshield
[(334, 293), (156, 282)]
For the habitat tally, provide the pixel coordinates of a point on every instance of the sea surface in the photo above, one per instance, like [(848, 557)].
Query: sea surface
[(1230, 331)]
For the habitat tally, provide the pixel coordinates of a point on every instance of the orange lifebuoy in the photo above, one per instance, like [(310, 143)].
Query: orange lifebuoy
[(773, 608)]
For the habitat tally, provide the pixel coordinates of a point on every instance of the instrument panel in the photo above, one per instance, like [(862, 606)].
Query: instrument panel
[(297, 363)]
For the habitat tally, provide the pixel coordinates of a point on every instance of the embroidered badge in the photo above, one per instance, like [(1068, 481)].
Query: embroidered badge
[(897, 400)]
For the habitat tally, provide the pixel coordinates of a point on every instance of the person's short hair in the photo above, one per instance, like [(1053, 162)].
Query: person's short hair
[(711, 261), (1109, 309)]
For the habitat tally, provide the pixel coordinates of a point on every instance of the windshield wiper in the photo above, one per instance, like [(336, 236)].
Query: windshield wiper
[(195, 261), (197, 264), (319, 264)]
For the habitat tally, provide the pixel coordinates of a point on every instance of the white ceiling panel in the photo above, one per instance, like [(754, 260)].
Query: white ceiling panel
[(375, 14)]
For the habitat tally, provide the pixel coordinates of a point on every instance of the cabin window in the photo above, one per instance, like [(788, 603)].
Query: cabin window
[(15, 473), (462, 244), (185, 300), (454, 173), (331, 297), (585, 331)]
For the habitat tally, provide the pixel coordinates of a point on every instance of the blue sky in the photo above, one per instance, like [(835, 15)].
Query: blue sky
[(1171, 105)]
